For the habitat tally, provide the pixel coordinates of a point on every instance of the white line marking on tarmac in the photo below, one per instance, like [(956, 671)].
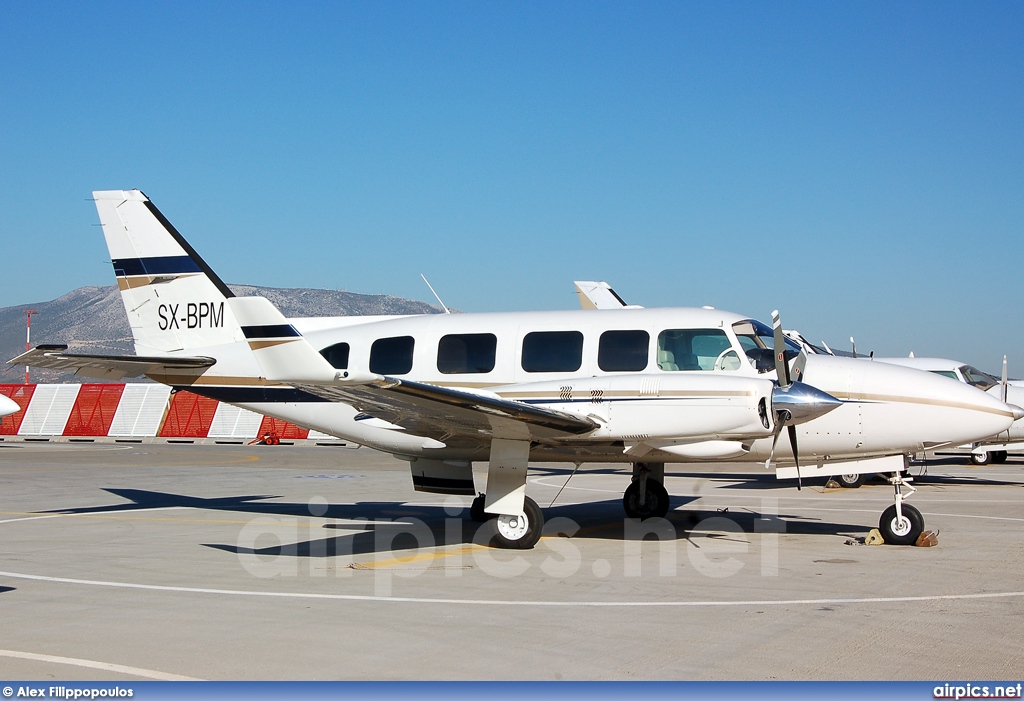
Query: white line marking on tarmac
[(92, 513), (104, 666), (490, 602)]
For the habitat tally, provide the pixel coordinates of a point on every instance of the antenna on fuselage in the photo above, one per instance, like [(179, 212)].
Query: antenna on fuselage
[(1003, 382), (436, 296)]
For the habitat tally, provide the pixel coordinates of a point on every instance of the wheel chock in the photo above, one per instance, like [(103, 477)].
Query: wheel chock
[(927, 539), (832, 484), (874, 538)]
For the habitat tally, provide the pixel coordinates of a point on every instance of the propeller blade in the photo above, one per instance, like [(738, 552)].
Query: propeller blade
[(775, 440), (796, 455), (781, 366), (1004, 380), (798, 366)]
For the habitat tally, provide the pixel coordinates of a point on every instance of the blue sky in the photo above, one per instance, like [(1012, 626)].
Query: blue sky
[(859, 166)]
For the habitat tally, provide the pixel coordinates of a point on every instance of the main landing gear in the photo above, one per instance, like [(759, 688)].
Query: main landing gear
[(646, 496), (518, 532), (901, 523)]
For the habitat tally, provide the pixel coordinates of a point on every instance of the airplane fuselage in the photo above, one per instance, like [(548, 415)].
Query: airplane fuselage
[(639, 372)]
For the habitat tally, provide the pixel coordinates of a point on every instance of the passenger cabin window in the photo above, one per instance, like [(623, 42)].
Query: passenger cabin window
[(391, 356), (553, 351), (623, 351), (466, 353), (691, 349), (337, 355)]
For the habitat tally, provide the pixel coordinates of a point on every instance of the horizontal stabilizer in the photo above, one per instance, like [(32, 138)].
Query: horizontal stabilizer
[(108, 367)]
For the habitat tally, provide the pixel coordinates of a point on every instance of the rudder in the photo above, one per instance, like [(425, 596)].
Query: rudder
[(174, 300)]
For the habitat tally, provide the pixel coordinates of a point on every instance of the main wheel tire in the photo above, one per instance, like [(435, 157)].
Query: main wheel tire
[(655, 501), (999, 457), (901, 532), (476, 510), (851, 481), (520, 532), (981, 458)]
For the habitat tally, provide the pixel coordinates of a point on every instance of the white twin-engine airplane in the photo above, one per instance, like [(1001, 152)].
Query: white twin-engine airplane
[(640, 386), (8, 406)]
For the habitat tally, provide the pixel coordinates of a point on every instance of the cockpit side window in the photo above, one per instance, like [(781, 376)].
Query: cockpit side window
[(977, 378), (691, 349), (758, 340), (946, 373)]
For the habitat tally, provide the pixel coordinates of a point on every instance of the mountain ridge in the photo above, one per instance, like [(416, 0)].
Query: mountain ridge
[(92, 320)]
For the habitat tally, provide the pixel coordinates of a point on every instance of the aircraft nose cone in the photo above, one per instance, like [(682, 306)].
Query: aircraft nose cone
[(1018, 413), (803, 402), (7, 406)]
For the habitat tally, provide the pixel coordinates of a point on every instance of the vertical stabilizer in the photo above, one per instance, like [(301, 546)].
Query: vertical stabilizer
[(174, 300)]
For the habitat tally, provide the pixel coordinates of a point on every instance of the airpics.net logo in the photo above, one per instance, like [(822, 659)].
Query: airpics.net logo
[(717, 546), (978, 691)]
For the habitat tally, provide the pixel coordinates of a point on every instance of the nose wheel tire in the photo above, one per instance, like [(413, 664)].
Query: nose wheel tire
[(851, 481), (655, 503), (901, 531), (520, 531), (999, 457)]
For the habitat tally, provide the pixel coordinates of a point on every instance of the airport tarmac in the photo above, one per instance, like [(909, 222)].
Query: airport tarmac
[(156, 561)]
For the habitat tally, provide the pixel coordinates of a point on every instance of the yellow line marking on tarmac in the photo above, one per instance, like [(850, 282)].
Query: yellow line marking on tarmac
[(420, 557)]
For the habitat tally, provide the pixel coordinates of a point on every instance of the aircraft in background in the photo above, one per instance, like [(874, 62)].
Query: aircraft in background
[(8, 406), (637, 386), (993, 448)]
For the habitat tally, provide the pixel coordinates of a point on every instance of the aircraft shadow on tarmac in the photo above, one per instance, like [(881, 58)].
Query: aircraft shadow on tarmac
[(7, 589), (398, 526)]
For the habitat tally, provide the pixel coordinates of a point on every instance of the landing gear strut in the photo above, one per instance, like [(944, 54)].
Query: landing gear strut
[(901, 524), (646, 496)]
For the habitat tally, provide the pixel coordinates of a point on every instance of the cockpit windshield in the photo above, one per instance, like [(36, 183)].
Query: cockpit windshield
[(976, 378), (757, 341)]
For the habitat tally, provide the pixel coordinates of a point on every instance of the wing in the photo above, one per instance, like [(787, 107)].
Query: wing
[(443, 412), (109, 367)]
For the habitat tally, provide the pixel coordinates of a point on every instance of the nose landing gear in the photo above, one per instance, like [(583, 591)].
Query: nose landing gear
[(901, 523)]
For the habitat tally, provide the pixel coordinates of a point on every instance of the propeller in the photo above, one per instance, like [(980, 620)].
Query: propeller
[(783, 416), (1004, 381)]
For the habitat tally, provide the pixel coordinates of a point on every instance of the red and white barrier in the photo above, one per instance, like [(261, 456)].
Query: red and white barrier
[(134, 411)]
